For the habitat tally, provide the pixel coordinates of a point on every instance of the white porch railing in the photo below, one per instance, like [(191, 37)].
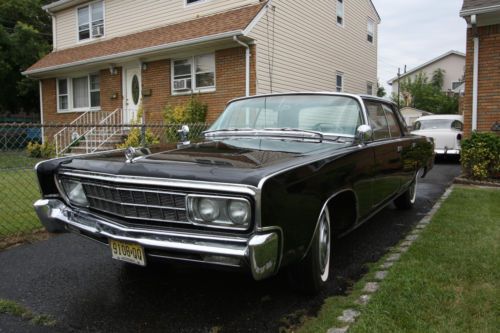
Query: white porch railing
[(77, 130), (108, 129)]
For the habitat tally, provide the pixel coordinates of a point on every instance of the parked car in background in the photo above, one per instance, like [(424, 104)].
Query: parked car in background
[(446, 130), (276, 180)]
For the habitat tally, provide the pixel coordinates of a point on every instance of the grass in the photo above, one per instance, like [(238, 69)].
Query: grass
[(18, 191), (17, 310), (449, 280)]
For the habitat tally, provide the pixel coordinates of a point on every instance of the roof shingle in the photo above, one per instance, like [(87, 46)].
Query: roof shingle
[(476, 4), (225, 22)]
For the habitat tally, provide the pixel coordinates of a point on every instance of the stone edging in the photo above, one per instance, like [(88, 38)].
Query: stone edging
[(349, 316), (467, 181)]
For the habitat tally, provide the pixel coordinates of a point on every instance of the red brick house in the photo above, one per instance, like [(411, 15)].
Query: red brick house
[(110, 56), (481, 103)]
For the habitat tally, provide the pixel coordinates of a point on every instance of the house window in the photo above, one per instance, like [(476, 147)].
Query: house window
[(455, 85), (194, 74), (91, 21), (371, 30), (83, 92), (369, 88), (340, 82), (340, 12), (62, 94)]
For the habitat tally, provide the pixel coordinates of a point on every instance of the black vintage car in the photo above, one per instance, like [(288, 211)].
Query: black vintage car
[(276, 180)]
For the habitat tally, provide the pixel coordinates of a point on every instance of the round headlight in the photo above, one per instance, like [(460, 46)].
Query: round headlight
[(239, 211), (208, 209), (75, 193)]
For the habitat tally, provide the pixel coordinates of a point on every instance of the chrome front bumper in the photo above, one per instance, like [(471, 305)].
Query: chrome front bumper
[(259, 253)]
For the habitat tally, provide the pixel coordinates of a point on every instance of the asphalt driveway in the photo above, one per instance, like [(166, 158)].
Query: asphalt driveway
[(77, 282)]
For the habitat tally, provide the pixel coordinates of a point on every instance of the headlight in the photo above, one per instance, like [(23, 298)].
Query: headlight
[(238, 211), (74, 192), (208, 209), (219, 212)]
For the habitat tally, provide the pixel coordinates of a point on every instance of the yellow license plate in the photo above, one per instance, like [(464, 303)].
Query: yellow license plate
[(129, 252)]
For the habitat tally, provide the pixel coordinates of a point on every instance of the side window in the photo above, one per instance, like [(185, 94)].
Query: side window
[(378, 121), (392, 121), (457, 125)]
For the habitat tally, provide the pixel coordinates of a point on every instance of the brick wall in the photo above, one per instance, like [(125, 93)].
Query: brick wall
[(230, 83), (111, 90), (489, 79)]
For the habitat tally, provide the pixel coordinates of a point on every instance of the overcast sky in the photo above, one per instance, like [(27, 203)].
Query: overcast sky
[(413, 32)]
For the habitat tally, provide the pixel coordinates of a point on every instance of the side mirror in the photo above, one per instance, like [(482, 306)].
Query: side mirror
[(184, 134), (364, 133)]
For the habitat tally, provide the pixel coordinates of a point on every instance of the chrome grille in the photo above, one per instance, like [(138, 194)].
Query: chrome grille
[(137, 204)]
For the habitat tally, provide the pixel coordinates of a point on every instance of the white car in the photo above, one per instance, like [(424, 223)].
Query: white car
[(445, 129)]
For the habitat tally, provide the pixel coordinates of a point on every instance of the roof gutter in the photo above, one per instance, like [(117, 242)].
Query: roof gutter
[(148, 50), (482, 10)]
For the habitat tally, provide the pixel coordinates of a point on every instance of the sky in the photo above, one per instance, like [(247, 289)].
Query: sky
[(413, 32)]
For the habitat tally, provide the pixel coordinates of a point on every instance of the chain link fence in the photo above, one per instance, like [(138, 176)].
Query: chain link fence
[(22, 147)]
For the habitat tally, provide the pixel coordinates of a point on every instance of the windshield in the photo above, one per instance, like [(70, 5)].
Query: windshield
[(335, 115), (434, 124)]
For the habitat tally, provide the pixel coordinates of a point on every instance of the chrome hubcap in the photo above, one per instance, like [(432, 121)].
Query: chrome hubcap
[(324, 246)]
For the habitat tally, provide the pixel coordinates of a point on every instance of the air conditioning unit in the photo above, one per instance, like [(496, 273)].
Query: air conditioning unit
[(182, 84), (98, 31)]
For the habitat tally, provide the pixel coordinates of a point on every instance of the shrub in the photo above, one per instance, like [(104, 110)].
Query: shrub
[(41, 150), (480, 156), (134, 137), (193, 112)]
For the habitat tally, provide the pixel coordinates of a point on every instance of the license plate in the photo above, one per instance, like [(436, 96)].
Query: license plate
[(129, 252)]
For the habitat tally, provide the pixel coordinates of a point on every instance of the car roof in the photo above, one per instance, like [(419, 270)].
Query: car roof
[(329, 93), (442, 116)]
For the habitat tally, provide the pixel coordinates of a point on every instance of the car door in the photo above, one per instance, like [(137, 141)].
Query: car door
[(388, 163), (405, 144)]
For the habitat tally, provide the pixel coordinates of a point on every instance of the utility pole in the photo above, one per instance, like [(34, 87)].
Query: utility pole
[(399, 86)]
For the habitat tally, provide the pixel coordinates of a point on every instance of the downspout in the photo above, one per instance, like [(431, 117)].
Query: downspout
[(475, 71), (41, 110), (247, 64)]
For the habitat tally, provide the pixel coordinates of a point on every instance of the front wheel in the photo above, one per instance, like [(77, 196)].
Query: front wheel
[(408, 198), (312, 273)]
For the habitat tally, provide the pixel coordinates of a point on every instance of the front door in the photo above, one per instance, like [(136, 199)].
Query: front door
[(133, 94)]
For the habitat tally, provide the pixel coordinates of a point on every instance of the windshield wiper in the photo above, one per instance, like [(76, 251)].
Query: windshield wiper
[(229, 130), (290, 129)]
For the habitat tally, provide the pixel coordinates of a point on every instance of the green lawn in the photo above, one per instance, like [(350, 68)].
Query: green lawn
[(449, 280), (18, 191)]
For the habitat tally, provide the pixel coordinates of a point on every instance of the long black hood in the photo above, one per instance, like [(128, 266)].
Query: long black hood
[(243, 161)]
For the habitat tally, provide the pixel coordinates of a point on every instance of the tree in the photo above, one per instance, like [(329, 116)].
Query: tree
[(381, 90), (424, 95), (25, 37)]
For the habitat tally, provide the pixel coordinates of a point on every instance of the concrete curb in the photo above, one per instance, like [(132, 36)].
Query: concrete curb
[(349, 316)]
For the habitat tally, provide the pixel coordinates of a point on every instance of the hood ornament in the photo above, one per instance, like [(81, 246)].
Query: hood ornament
[(130, 154)]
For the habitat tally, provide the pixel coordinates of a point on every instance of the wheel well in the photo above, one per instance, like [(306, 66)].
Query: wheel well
[(343, 211)]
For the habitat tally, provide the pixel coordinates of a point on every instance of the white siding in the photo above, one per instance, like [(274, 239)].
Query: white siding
[(453, 65), (123, 17), (310, 48)]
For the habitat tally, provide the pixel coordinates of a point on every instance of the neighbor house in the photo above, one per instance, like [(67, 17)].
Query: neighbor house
[(481, 103), (452, 63), (111, 56)]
